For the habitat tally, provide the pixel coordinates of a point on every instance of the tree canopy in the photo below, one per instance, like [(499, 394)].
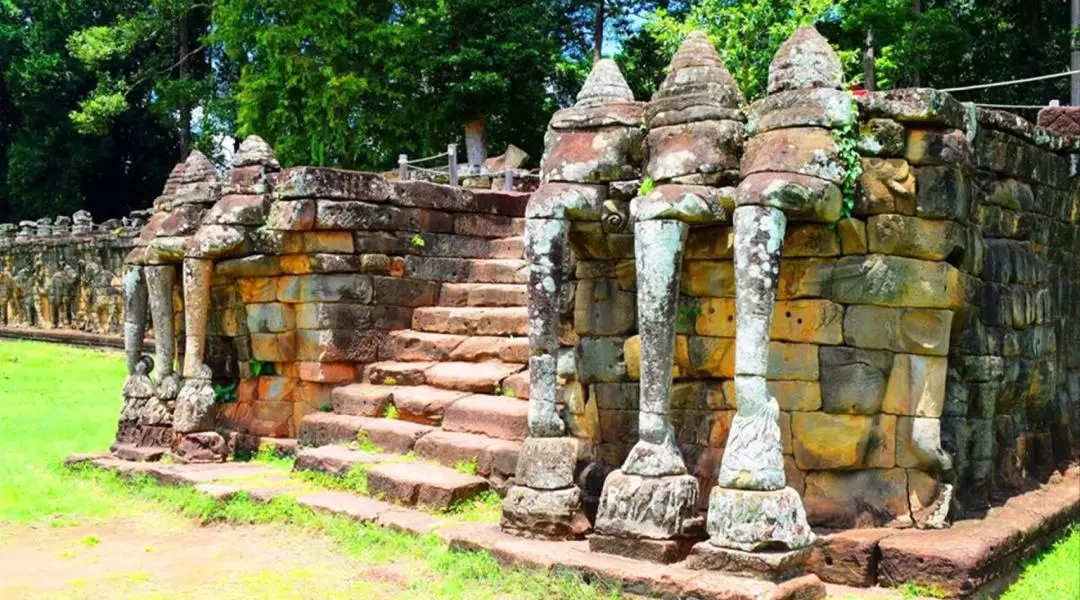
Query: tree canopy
[(98, 98)]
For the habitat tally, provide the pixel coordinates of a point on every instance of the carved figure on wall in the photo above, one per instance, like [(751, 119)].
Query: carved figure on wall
[(103, 300), (7, 294), (60, 291), (26, 286)]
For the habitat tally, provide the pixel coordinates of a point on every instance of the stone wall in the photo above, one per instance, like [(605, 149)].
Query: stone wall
[(65, 275), (919, 346), (284, 284)]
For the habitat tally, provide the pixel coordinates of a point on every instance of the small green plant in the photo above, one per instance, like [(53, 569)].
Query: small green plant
[(847, 139), (498, 390), (364, 443), (485, 507), (389, 381), (468, 467), (391, 412), (90, 541), (646, 186), (260, 367), (912, 590), (417, 241), (325, 407), (225, 394), (687, 313), (509, 393)]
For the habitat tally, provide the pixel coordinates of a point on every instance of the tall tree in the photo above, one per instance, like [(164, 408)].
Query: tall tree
[(48, 168)]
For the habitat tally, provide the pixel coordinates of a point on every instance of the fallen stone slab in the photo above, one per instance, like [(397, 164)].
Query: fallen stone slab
[(139, 453)]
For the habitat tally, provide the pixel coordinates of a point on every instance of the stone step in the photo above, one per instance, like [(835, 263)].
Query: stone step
[(390, 435), (416, 483), (494, 458), (418, 404), (511, 247), (517, 385), (361, 399), (470, 320), (493, 416), (411, 345), (483, 294), (335, 460), (467, 270), (397, 373), (481, 377)]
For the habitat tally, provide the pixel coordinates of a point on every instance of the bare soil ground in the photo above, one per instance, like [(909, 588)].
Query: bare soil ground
[(162, 555)]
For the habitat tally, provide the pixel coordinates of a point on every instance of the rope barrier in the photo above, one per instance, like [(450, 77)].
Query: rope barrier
[(441, 171), (1011, 82), (1031, 106), (427, 158)]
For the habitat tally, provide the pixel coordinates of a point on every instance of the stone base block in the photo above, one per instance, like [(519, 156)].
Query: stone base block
[(649, 507), (659, 551), (776, 565), (751, 520), (201, 447), (848, 557), (544, 514)]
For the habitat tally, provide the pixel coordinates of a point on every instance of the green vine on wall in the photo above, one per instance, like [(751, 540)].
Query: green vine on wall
[(847, 139)]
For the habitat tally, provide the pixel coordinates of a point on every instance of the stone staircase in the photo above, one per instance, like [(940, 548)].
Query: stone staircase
[(450, 392)]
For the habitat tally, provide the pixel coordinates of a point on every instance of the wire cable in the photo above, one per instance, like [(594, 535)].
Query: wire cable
[(1010, 82)]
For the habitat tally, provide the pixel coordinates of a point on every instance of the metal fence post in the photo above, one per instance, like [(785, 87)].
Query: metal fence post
[(403, 166), (451, 151), (508, 180)]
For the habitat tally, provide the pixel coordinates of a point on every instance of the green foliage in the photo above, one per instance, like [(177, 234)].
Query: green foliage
[(391, 412), (325, 407), (389, 381), (225, 394), (260, 367), (417, 241), (746, 33), (90, 541), (847, 138), (646, 187), (468, 467)]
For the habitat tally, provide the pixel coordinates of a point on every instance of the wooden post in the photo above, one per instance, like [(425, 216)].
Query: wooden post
[(451, 151), (1074, 54), (403, 167), (869, 74), (508, 180)]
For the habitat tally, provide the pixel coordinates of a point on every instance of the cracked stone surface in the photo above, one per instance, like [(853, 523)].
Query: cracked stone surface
[(752, 520), (650, 507)]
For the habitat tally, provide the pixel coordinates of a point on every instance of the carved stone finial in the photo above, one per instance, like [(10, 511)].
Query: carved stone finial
[(254, 151), (696, 77), (805, 60), (198, 168), (604, 85)]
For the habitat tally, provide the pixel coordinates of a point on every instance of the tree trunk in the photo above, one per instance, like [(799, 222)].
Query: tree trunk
[(598, 32), (185, 106), (916, 9), (475, 141)]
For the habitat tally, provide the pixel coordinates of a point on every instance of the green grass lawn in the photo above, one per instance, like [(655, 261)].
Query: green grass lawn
[(56, 400)]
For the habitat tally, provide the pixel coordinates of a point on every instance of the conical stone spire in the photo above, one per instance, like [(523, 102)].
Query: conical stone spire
[(198, 168), (805, 60), (604, 85), (254, 151), (698, 86)]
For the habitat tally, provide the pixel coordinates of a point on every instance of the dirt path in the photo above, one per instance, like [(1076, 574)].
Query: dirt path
[(164, 556)]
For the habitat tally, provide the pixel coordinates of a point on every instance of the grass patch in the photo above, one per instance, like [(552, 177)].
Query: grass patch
[(391, 412), (364, 443), (355, 480), (485, 507), (1052, 575), (911, 590)]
